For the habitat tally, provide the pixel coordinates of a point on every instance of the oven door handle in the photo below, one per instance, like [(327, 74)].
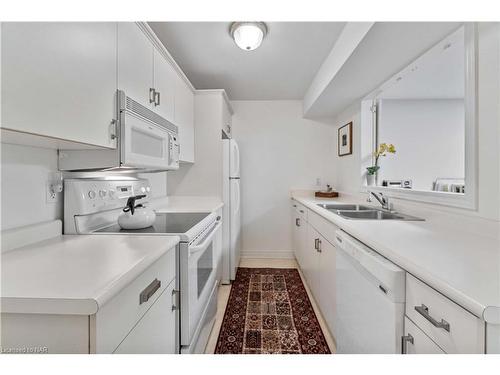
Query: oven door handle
[(208, 239)]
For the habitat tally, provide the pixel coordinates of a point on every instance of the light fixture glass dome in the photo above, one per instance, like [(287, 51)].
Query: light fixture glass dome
[(248, 35)]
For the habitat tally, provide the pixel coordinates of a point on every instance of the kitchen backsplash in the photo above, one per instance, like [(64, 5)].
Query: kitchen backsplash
[(25, 171)]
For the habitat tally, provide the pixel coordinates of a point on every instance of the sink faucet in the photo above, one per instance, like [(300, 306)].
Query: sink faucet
[(381, 198)]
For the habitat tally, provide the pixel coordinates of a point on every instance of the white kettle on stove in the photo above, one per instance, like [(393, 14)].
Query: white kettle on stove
[(136, 216)]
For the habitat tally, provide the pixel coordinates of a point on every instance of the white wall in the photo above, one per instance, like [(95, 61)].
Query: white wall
[(24, 174), (279, 151), (348, 169), (25, 171), (429, 136)]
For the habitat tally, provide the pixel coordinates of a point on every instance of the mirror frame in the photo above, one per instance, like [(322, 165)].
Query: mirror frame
[(468, 200)]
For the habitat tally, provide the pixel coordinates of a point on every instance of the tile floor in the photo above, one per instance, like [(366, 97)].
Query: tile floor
[(224, 291)]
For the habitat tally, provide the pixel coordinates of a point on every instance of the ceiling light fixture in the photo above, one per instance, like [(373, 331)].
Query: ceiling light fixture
[(248, 35)]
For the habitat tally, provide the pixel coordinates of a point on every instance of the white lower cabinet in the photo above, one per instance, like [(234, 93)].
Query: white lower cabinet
[(416, 341), (433, 322), (316, 258), (153, 334), (141, 318), (452, 327), (326, 294), (312, 261), (299, 235)]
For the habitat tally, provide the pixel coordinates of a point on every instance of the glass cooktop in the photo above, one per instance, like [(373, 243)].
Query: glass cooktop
[(171, 223)]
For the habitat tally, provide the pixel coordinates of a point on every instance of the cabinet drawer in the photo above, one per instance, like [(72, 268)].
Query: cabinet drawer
[(155, 332), (323, 226), (453, 328), (419, 342), (117, 317)]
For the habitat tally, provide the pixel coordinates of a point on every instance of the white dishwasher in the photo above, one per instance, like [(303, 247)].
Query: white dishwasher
[(370, 299)]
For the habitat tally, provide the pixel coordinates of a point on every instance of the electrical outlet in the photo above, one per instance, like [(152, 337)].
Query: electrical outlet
[(51, 196)]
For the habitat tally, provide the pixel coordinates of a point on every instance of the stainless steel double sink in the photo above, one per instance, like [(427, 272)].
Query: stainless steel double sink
[(361, 212)]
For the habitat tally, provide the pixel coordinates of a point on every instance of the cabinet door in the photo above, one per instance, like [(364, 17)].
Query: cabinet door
[(135, 63), (295, 231), (59, 80), (311, 261), (417, 342), (164, 84), (184, 118), (155, 333), (327, 282)]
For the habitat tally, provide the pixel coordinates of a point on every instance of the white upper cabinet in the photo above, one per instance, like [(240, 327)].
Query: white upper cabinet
[(146, 75), (184, 118), (59, 80), (135, 63), (227, 119), (164, 85)]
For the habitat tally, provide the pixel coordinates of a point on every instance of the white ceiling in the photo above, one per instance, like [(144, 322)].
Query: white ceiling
[(281, 68)]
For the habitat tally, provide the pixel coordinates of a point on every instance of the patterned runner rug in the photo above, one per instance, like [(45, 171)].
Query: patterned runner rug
[(269, 312)]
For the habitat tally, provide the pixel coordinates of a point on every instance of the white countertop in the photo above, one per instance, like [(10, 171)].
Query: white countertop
[(75, 274), (463, 266), (186, 204)]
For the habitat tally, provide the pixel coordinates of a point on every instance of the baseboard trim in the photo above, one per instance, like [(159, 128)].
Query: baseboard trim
[(270, 254)]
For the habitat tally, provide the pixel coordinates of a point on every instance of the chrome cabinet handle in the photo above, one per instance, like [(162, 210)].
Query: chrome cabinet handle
[(152, 95), (113, 129), (297, 222), (316, 244), (424, 311), (175, 300), (319, 246), (157, 98), (151, 289), (404, 342)]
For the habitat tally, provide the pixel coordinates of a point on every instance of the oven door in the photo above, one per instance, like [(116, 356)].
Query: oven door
[(143, 143), (198, 277)]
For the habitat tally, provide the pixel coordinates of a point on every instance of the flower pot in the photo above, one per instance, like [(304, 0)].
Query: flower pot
[(370, 179)]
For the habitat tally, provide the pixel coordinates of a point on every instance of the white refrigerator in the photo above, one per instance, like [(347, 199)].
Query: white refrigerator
[(231, 224)]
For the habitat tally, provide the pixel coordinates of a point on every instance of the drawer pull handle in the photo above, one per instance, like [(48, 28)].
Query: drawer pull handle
[(151, 289), (424, 311), (404, 342), (297, 222), (301, 211), (339, 239), (175, 300)]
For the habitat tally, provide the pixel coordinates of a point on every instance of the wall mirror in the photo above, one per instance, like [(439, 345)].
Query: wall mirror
[(422, 126)]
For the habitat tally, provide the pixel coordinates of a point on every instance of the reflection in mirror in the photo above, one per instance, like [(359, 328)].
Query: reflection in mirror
[(421, 112)]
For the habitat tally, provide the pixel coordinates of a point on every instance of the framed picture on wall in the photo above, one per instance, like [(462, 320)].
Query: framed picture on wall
[(345, 140)]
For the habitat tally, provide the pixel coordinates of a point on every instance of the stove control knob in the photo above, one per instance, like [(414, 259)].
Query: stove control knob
[(92, 194), (143, 189), (102, 193), (111, 194), (148, 189)]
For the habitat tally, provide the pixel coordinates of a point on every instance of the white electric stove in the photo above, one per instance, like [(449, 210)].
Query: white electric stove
[(92, 206)]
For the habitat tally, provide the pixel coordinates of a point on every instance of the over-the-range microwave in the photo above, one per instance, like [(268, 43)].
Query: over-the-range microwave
[(145, 142)]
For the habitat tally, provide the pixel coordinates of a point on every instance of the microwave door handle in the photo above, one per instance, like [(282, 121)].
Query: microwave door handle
[(208, 239)]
